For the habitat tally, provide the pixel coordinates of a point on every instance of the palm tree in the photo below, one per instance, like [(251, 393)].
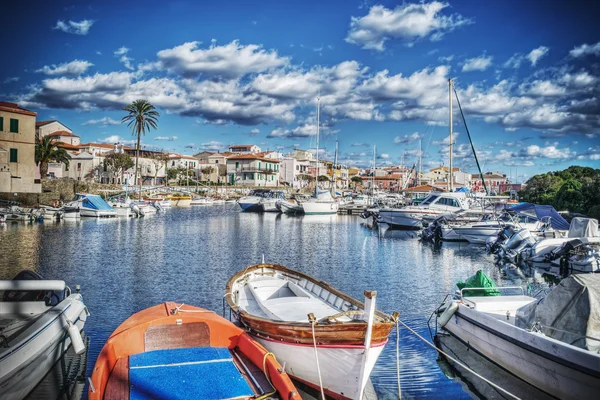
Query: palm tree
[(46, 151), (141, 117)]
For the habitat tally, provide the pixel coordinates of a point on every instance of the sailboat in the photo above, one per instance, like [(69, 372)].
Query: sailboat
[(322, 202)]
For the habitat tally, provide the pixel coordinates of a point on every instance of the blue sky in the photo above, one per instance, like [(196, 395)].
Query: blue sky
[(236, 72)]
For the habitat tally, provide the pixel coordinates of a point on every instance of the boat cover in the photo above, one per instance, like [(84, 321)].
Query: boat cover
[(479, 280), (95, 202), (583, 227), (538, 211), (572, 307), (188, 373)]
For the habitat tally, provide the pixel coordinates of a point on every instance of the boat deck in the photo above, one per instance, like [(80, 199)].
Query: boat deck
[(15, 317), (500, 307)]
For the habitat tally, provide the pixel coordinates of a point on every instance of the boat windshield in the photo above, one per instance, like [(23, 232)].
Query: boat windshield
[(429, 199)]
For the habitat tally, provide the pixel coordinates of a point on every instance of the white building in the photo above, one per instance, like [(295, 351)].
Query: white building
[(291, 170), (252, 170), (244, 149)]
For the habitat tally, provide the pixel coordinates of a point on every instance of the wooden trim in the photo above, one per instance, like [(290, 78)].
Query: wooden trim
[(16, 141)]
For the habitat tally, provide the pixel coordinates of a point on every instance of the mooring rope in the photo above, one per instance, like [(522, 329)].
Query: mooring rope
[(459, 363), (398, 357), (313, 321)]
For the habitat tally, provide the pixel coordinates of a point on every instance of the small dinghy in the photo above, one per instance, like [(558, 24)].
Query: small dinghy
[(39, 320), (176, 351), (275, 303)]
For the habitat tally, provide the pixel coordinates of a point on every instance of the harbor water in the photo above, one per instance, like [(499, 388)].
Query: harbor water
[(187, 255)]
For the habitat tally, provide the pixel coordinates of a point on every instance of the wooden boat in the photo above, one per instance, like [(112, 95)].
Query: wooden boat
[(178, 351), (548, 343), (273, 303), (179, 201), (39, 320)]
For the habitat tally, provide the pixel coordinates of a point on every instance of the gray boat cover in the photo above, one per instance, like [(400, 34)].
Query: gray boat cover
[(572, 307), (583, 227)]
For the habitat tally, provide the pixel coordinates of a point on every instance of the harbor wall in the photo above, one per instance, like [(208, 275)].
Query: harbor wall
[(63, 189)]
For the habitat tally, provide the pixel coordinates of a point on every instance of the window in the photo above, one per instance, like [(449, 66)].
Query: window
[(14, 125), (252, 175), (216, 161), (14, 155), (1, 124), (259, 165), (237, 164), (78, 166)]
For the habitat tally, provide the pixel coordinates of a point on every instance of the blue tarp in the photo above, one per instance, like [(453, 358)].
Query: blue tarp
[(538, 211), (95, 202), (188, 373), (462, 190)]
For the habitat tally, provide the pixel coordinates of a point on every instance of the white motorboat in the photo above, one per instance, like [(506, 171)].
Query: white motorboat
[(92, 205), (252, 202), (284, 310), (550, 343), (71, 212), (39, 320), (270, 199), (411, 217), (290, 207), (322, 204)]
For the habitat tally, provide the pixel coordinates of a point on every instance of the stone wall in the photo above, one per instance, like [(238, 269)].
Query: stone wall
[(58, 189)]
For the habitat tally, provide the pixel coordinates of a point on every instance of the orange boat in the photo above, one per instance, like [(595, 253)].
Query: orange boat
[(176, 351)]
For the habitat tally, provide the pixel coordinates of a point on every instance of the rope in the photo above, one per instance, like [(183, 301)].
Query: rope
[(266, 372), (492, 384), (312, 324), (398, 358)]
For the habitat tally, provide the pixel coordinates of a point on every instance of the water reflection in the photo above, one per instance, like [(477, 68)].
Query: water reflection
[(188, 255)]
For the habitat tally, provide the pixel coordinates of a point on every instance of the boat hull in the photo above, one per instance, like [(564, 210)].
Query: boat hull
[(340, 365), (566, 373), (90, 213), (251, 207), (320, 207), (400, 220)]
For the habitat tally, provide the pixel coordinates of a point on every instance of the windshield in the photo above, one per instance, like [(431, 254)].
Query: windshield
[(430, 199)]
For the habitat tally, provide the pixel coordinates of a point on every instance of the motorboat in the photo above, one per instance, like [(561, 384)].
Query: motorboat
[(291, 313), (92, 205), (291, 206), (551, 343), (39, 320), (50, 212), (411, 217), (71, 212), (252, 201), (177, 351), (269, 201), (322, 204)]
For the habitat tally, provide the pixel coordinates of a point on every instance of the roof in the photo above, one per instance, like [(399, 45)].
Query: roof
[(443, 167), (103, 145), (62, 133), (14, 108), (66, 146), (252, 157), (42, 123), (177, 156), (242, 145), (421, 188)]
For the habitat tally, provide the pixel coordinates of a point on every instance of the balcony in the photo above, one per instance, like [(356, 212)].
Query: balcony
[(266, 171)]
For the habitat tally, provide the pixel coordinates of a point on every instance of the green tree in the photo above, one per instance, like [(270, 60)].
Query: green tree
[(324, 178), (141, 117), (118, 163), (46, 151), (569, 196), (172, 173), (357, 180), (541, 189)]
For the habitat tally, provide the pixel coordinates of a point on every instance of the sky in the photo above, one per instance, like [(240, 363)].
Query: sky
[(527, 75)]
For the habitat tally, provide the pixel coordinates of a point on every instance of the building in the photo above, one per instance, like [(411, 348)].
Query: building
[(252, 170), (17, 150), (493, 180), (303, 155), (293, 171), (244, 149), (202, 157)]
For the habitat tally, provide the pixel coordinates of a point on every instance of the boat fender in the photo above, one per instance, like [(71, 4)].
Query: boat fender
[(76, 339), (447, 314)]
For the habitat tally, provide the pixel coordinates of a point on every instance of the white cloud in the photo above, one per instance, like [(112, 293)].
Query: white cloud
[(10, 79), (585, 50), (542, 88), (230, 61), (123, 58), (102, 121), (76, 28), (73, 68), (409, 23), (408, 138), (536, 54), (384, 156), (166, 138), (116, 139), (480, 63)]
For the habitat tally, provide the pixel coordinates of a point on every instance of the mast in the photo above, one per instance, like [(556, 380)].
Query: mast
[(451, 181), (373, 176), (420, 160), (317, 172), (333, 168)]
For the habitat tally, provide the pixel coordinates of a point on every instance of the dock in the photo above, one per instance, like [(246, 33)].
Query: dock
[(351, 209)]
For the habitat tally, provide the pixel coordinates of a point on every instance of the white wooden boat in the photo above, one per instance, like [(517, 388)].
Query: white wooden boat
[(548, 345), (39, 320), (275, 303)]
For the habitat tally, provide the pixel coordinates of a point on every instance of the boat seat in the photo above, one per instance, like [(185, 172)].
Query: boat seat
[(192, 334), (298, 308), (187, 373)]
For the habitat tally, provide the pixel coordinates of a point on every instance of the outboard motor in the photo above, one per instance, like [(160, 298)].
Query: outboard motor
[(157, 205), (136, 210), (516, 243)]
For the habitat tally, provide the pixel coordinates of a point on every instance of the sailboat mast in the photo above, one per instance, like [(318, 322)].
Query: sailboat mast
[(451, 181), (420, 160), (317, 171), (373, 175), (334, 167)]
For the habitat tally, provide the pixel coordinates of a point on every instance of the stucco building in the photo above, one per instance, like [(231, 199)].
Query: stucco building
[(17, 150), (252, 170)]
